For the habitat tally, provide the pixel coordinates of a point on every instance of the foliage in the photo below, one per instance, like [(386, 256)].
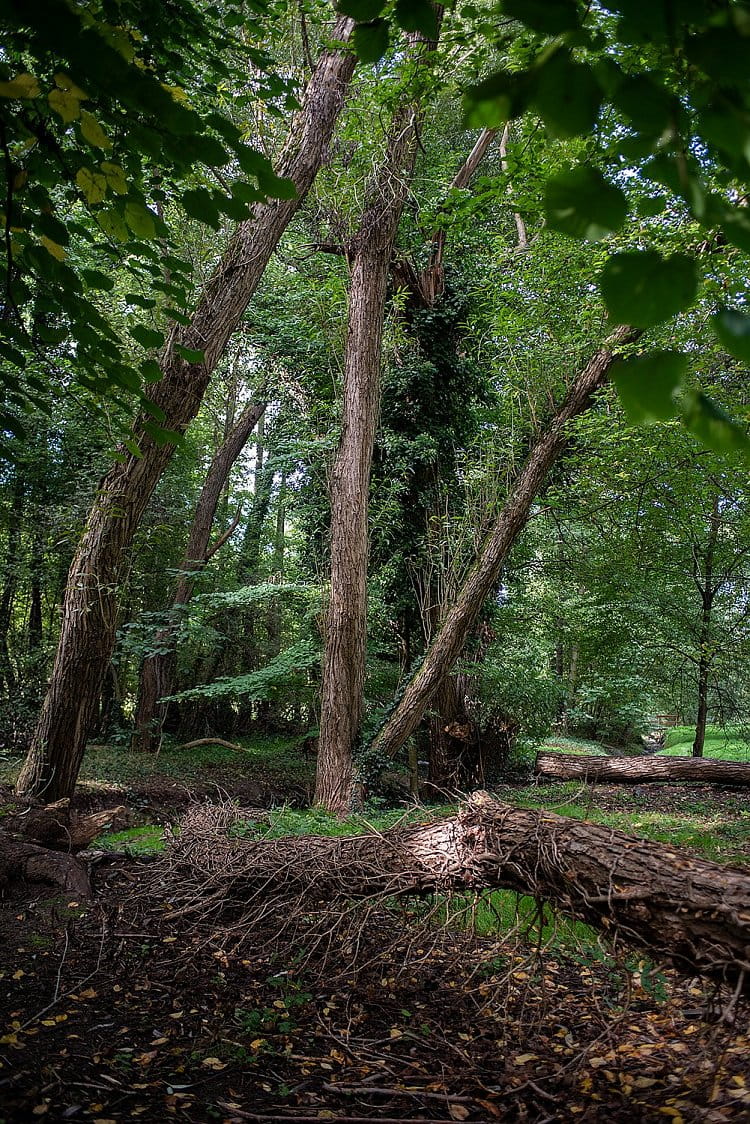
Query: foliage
[(105, 114)]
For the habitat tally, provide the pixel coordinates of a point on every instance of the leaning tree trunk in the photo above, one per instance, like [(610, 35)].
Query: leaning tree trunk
[(346, 617), (641, 770), (90, 606), (157, 672), (447, 645), (678, 906)]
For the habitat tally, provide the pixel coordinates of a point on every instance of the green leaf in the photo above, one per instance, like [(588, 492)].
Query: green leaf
[(199, 204), (132, 446), (92, 184), (96, 280), (646, 103), (567, 96), (642, 288), (140, 220), (115, 177), (417, 15), (113, 224), (148, 337), (92, 131), (647, 385), (543, 16), (189, 354), (581, 203), (712, 425), (151, 371), (371, 40), (497, 99), (733, 330), (361, 10), (160, 435)]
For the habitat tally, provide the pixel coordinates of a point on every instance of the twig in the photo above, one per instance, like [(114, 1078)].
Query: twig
[(243, 1115), (370, 1091)]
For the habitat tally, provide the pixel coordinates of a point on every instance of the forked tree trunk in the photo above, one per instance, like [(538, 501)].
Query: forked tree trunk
[(90, 606), (157, 671), (641, 770), (346, 618), (447, 645), (678, 906)]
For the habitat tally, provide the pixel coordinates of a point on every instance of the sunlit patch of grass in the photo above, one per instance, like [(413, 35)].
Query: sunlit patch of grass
[(578, 746), (145, 840), (727, 743)]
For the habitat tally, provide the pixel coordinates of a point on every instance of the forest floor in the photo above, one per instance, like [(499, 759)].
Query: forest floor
[(113, 1013)]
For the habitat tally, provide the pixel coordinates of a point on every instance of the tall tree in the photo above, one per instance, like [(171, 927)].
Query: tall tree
[(157, 672), (190, 356), (346, 618)]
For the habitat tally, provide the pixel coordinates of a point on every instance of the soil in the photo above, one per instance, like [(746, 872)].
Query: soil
[(114, 1014)]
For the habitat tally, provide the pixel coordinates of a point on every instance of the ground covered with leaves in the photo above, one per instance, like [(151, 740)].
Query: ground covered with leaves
[(113, 1012)]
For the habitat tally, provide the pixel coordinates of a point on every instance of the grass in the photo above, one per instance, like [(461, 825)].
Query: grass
[(727, 743), (145, 840), (272, 757), (578, 746)]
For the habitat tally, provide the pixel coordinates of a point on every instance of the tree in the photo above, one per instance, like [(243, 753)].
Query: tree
[(157, 672), (346, 617), (449, 641), (90, 608)]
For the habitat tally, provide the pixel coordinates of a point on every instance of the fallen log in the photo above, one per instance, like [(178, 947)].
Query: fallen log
[(29, 862), (211, 741), (57, 827), (640, 770), (694, 912)]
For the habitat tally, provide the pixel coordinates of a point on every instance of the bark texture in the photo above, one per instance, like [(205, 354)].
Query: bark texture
[(641, 770), (90, 606), (158, 670), (27, 862), (346, 618), (687, 909), (449, 641)]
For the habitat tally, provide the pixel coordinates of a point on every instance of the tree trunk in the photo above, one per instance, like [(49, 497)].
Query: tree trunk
[(346, 618), (447, 645), (10, 577), (708, 592), (641, 770), (157, 672), (676, 905), (27, 862), (90, 605)]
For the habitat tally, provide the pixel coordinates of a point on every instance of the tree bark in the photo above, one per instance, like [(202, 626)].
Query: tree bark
[(90, 606), (28, 862), (707, 592), (676, 905), (641, 770), (447, 645), (157, 671), (346, 617)]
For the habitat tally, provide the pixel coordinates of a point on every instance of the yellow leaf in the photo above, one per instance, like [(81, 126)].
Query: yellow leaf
[(66, 83), (257, 1043), (40, 1109), (396, 1033), (22, 86), (458, 1112), (53, 248), (92, 184), (48, 1022), (213, 1063), (177, 93), (19, 974), (89, 993), (93, 132), (522, 1059)]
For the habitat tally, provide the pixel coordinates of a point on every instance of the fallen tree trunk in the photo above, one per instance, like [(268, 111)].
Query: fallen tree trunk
[(680, 907), (27, 862), (640, 770), (56, 827)]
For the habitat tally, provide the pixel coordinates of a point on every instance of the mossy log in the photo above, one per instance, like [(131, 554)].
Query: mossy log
[(640, 770)]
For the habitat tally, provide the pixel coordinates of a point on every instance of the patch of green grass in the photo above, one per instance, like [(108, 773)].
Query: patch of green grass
[(727, 743), (579, 746), (146, 840)]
